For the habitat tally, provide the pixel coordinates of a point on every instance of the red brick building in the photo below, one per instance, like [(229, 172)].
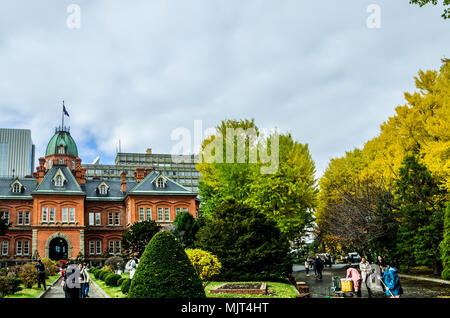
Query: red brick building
[(60, 214)]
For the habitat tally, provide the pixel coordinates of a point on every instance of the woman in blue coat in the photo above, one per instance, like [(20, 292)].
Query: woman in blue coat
[(392, 281)]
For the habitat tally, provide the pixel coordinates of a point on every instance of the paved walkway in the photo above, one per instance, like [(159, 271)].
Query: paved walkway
[(412, 288), (57, 291)]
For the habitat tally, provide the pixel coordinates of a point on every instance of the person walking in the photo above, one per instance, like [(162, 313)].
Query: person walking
[(355, 276), (307, 267), (381, 264), (366, 271), (392, 281), (82, 281), (131, 266), (319, 266), (87, 280), (41, 274)]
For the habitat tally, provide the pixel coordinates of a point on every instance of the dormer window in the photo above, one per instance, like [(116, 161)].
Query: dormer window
[(59, 179), (61, 150), (103, 188), (16, 187), (160, 182), (61, 161)]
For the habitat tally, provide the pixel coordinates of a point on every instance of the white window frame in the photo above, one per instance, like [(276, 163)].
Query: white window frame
[(141, 214), (5, 247), (98, 247), (148, 213), (110, 218), (20, 218), (72, 215), (98, 219), (18, 247), (26, 247), (51, 215), (177, 211), (167, 214), (91, 218), (92, 247), (117, 218), (65, 215), (118, 247), (111, 247), (27, 218), (160, 214), (44, 214)]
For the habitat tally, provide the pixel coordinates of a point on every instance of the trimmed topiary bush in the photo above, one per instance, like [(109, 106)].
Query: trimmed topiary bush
[(206, 264), (104, 274), (165, 271), (125, 286), (97, 273), (112, 279), (121, 280), (92, 270)]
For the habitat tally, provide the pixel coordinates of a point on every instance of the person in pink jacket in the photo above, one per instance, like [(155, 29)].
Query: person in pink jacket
[(355, 276)]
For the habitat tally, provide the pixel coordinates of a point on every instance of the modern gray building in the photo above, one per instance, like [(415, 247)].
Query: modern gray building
[(181, 172), (16, 152)]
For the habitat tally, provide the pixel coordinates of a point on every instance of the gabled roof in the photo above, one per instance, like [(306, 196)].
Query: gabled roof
[(148, 187), (29, 184), (114, 193), (47, 185)]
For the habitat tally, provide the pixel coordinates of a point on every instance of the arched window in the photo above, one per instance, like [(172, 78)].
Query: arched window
[(61, 150), (58, 181)]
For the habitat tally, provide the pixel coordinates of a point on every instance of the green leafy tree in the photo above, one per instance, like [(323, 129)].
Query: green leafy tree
[(206, 264), (249, 245), (186, 227), (445, 14), (136, 238), (165, 271), (3, 225), (445, 245), (288, 195), (420, 205)]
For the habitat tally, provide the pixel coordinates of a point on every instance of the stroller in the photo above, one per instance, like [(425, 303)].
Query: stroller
[(341, 287)]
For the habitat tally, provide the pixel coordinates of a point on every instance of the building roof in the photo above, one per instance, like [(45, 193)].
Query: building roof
[(70, 186), (62, 138), (148, 186), (114, 192), (28, 186)]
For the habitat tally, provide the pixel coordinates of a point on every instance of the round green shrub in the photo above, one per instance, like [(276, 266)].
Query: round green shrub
[(120, 281), (112, 279), (92, 270), (125, 286), (97, 273), (165, 271), (104, 274)]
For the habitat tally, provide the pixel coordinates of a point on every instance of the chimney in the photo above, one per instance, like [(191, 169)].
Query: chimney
[(40, 171), (147, 172), (123, 177), (77, 163), (139, 174)]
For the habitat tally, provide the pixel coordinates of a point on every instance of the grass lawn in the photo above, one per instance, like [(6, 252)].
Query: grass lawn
[(274, 290), (114, 292), (35, 291)]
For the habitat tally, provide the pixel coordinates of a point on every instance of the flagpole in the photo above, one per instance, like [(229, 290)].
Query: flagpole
[(62, 127)]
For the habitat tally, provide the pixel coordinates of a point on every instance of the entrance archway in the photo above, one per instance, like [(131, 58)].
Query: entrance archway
[(58, 249)]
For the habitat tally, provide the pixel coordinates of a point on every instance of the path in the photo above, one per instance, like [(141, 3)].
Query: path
[(57, 291), (412, 288)]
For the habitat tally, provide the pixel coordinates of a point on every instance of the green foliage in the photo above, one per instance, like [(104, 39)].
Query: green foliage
[(165, 271), (445, 14), (445, 245), (51, 268), (421, 215), (28, 275), (93, 269), (121, 280), (115, 263), (103, 274), (248, 244), (9, 284), (186, 227), (97, 273), (136, 238), (125, 286), (3, 225), (112, 279), (206, 264), (286, 195)]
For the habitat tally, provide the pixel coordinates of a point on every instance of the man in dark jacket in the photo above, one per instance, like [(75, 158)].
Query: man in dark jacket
[(41, 274), (319, 266)]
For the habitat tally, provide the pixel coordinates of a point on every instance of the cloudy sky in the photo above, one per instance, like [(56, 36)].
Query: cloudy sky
[(137, 70)]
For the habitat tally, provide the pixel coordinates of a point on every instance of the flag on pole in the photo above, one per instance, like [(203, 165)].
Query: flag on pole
[(65, 111)]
